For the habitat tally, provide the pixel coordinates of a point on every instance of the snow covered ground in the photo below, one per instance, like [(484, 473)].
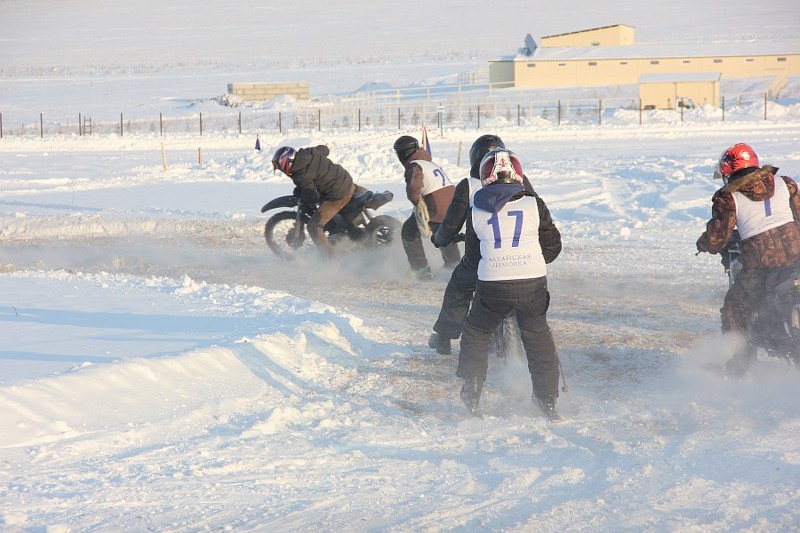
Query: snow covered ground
[(161, 370)]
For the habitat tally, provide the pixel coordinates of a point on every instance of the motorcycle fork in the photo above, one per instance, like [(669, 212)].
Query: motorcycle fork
[(298, 226)]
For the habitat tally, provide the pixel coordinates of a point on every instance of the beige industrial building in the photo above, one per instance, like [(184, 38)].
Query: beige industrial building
[(609, 56)]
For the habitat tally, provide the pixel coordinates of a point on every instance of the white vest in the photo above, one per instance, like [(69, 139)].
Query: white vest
[(510, 246), (754, 218), (433, 177), (474, 186)]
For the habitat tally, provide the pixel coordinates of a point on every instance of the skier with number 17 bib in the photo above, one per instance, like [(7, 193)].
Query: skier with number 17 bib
[(515, 235)]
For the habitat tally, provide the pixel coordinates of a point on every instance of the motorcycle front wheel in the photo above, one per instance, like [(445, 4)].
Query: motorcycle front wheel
[(283, 237), (382, 231)]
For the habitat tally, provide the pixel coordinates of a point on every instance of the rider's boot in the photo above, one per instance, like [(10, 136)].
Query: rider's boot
[(440, 343), (741, 360), (423, 274), (471, 394), (548, 407)]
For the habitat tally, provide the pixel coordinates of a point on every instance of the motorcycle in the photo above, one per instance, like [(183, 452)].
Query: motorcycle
[(775, 324), (286, 232)]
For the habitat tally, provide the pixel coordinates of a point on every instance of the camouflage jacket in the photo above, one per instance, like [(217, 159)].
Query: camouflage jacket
[(775, 247)]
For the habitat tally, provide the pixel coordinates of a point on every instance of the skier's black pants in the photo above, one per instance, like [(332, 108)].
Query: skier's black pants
[(412, 244), (457, 299), (496, 300)]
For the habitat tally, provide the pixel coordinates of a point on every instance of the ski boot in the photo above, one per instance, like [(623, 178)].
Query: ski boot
[(440, 344), (471, 395)]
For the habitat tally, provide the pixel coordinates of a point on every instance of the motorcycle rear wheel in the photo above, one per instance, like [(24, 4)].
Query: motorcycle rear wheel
[(382, 231), (507, 342), (282, 239)]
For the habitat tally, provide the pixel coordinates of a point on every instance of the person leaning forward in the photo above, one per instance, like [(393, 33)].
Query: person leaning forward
[(320, 183)]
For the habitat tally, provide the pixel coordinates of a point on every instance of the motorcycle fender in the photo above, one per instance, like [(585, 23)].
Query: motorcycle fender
[(281, 201)]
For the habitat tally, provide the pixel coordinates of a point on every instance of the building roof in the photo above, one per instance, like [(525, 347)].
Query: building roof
[(587, 30), (660, 51)]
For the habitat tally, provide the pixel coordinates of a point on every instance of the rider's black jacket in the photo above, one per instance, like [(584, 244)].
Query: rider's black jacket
[(457, 216), (317, 178)]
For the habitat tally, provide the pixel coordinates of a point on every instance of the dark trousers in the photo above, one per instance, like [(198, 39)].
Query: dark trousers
[(741, 299), (412, 244), (496, 300), (326, 211), (457, 299)]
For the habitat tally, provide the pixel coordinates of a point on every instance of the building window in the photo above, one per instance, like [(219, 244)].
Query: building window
[(717, 61), (562, 64), (781, 59), (749, 60), (592, 63), (531, 65), (623, 62), (687, 61), (655, 62)]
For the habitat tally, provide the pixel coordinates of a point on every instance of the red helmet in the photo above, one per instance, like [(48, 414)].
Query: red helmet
[(735, 158), (500, 166), (283, 159)]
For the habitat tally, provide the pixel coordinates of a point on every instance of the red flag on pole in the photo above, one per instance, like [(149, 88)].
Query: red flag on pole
[(425, 142)]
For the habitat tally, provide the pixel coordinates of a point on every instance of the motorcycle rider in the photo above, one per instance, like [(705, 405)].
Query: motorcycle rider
[(320, 183), (425, 182), (461, 286), (506, 227), (766, 211)]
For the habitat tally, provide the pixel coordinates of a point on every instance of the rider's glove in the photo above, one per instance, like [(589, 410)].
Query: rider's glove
[(310, 209), (701, 244)]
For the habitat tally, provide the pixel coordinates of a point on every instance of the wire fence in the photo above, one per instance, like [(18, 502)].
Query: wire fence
[(386, 109)]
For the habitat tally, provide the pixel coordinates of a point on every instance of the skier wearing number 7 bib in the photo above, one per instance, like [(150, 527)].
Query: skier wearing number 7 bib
[(507, 226)]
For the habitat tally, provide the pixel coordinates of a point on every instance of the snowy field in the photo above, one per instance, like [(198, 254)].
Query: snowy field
[(162, 370)]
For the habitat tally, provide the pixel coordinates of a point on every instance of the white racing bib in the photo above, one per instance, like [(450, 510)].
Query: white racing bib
[(754, 218), (510, 246), (433, 177)]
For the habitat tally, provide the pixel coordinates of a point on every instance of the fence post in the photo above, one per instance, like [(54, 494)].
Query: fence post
[(319, 119), (359, 119), (201, 124), (120, 125), (479, 116), (723, 109), (240, 122), (80, 128), (519, 115), (558, 113), (600, 112), (1, 125), (161, 124), (640, 111), (280, 125), (765, 106), (398, 117)]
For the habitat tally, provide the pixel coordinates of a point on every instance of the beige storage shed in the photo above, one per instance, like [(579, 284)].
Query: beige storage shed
[(250, 92), (674, 90)]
